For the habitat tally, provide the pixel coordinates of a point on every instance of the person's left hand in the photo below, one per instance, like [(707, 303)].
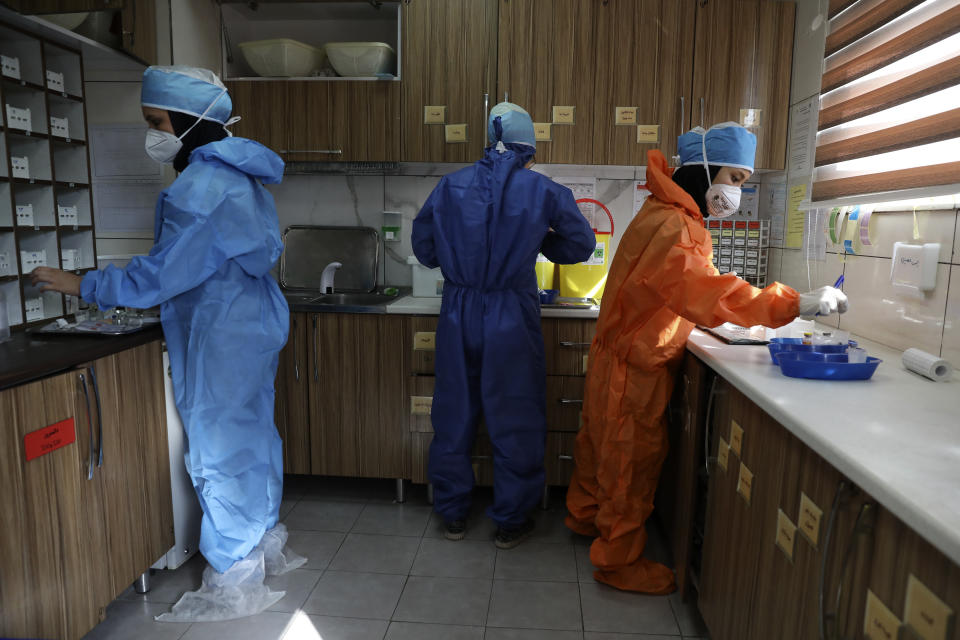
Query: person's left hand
[(56, 280)]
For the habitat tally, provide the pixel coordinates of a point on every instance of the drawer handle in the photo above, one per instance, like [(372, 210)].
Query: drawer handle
[(566, 343), (570, 401), (328, 152), (564, 457)]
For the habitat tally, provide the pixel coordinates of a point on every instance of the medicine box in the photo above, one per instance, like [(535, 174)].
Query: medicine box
[(11, 66), (67, 215), (20, 166), (34, 308), (25, 215), (6, 269), (30, 260), (55, 81), (18, 118), (70, 259), (59, 127)]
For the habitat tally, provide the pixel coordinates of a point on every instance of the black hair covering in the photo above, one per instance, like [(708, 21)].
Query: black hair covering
[(693, 179), (205, 132)]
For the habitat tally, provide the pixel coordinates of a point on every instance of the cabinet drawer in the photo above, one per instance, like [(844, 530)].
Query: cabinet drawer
[(423, 341), (559, 458), (566, 345), (482, 458), (419, 402), (564, 402)]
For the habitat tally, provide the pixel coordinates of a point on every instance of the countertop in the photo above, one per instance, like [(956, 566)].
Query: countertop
[(26, 357), (431, 307), (897, 435)]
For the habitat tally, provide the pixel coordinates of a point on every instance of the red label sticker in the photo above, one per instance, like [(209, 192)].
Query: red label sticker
[(43, 441), (741, 224)]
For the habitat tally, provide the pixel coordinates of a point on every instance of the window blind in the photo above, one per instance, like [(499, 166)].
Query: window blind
[(889, 116)]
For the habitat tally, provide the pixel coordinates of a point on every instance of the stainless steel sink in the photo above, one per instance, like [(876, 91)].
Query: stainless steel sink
[(354, 299)]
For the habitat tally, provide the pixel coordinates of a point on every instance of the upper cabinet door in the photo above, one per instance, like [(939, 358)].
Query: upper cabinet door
[(644, 71), (449, 63), (548, 58), (139, 18), (744, 59), (365, 118), (263, 110)]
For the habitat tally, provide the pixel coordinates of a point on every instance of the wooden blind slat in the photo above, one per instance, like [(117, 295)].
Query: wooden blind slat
[(938, 28), (868, 23), (917, 177), (838, 6), (941, 126), (917, 85)]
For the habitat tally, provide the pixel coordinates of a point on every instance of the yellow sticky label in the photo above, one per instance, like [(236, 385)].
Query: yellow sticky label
[(736, 437), (740, 233), (648, 133), (727, 233), (421, 405), (563, 115), (809, 521), (723, 454), (434, 115), (754, 234), (926, 614), (786, 534), (626, 115), (745, 483), (425, 341), (750, 117), (456, 132), (879, 623), (542, 131)]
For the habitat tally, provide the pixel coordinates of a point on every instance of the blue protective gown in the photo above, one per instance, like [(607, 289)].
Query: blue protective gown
[(483, 226), (225, 321)]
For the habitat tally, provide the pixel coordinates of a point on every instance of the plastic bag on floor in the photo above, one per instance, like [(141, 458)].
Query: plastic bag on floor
[(236, 593), (279, 559)]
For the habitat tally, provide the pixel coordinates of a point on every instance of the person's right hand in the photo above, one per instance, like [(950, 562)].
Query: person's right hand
[(822, 302)]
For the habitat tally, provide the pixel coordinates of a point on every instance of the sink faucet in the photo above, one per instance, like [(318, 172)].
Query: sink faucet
[(326, 278)]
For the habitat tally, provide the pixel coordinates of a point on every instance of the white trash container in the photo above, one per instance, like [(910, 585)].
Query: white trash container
[(427, 283), (361, 59), (282, 57)]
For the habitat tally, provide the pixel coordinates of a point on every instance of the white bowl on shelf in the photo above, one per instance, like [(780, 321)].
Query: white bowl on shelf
[(361, 59), (282, 57), (69, 21)]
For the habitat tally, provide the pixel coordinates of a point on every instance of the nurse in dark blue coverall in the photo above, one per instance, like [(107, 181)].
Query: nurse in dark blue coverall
[(484, 226)]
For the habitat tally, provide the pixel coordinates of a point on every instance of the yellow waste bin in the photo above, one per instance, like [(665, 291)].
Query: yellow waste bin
[(587, 279), (546, 271)]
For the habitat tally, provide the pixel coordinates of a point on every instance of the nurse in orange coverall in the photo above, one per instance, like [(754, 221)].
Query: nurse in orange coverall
[(662, 282)]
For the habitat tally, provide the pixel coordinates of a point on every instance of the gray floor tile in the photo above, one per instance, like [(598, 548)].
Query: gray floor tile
[(298, 584), (167, 585), (421, 631), (323, 515), (355, 595), (596, 635), (585, 568), (607, 609), (550, 526), (393, 519), (304, 627), (444, 601), (127, 620), (496, 633), (376, 554), (535, 605), (479, 526), (266, 626), (287, 505), (318, 547), (688, 617), (462, 559), (537, 561)]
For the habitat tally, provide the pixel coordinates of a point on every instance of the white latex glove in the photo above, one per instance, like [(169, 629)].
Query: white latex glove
[(822, 302)]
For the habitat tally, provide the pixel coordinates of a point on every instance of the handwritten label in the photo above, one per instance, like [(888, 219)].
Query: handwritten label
[(745, 483), (626, 116), (425, 341), (434, 115), (926, 614), (736, 437), (786, 534), (542, 131), (750, 117), (43, 441), (648, 133), (456, 132), (810, 517), (723, 454), (879, 623), (563, 115), (586, 359), (421, 405)]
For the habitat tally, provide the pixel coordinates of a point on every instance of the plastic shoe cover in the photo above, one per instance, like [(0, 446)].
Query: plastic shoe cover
[(279, 559), (236, 593)]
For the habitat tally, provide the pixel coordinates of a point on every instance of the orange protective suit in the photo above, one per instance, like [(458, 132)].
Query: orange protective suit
[(661, 283)]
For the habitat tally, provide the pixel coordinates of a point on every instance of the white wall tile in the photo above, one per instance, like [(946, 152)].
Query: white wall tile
[(890, 227), (430, 168), (879, 313), (609, 172), (617, 195), (774, 265), (807, 51), (951, 327), (794, 270), (405, 194), (956, 243)]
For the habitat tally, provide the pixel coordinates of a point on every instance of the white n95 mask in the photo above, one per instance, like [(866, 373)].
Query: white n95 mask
[(162, 146), (723, 200)]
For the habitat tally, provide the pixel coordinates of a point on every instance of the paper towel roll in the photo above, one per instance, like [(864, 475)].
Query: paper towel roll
[(927, 365)]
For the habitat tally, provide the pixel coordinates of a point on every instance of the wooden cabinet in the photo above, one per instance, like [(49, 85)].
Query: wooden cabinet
[(449, 61), (644, 63), (320, 121), (63, 6), (139, 21), (292, 404), (547, 58), (743, 62), (83, 529)]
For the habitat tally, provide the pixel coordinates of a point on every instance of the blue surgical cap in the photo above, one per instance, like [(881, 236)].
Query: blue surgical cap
[(728, 145), (189, 90), (516, 124)]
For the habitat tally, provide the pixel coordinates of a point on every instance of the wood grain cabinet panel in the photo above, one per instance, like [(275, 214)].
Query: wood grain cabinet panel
[(564, 403), (449, 60), (139, 21), (566, 344), (366, 120), (292, 412)]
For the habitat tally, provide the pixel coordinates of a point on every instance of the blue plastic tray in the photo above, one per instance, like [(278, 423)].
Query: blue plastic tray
[(825, 366), (792, 345), (547, 296)]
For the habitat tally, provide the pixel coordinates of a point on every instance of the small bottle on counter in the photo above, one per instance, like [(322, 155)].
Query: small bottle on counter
[(807, 337)]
